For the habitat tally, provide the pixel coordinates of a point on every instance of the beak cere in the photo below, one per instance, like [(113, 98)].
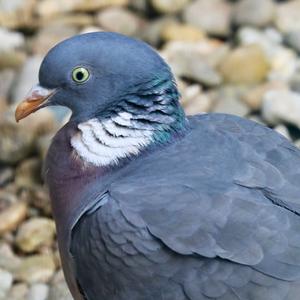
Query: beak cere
[(34, 100)]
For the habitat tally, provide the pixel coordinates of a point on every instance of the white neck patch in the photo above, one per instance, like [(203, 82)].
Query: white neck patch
[(103, 143)]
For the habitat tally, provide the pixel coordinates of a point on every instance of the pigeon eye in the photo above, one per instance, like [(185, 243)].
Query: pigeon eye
[(80, 75)]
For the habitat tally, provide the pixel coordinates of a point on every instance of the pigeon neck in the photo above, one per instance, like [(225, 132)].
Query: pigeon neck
[(150, 116)]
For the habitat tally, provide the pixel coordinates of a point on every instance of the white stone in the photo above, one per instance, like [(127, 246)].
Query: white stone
[(38, 291), (283, 60), (18, 292), (284, 63), (59, 289), (120, 20), (169, 6), (269, 39), (6, 280), (36, 269), (35, 233), (195, 101), (254, 12), (196, 60), (10, 39), (28, 77), (228, 102), (212, 16), (288, 16), (281, 106)]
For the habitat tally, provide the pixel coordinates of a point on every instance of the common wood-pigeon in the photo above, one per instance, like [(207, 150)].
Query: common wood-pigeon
[(152, 204)]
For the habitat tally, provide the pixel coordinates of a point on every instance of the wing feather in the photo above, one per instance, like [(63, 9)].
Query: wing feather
[(218, 211)]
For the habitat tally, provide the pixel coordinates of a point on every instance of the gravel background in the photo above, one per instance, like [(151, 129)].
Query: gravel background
[(238, 57)]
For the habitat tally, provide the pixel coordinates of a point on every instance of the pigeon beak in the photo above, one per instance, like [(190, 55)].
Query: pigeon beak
[(35, 99)]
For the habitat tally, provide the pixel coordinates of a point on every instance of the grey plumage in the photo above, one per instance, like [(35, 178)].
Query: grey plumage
[(221, 222)]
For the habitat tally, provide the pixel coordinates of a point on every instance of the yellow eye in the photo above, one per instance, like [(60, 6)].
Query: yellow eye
[(80, 75)]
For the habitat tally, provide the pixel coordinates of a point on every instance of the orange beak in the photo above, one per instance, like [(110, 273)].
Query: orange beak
[(34, 100)]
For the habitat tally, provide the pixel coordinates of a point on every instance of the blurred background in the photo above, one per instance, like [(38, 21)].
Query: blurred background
[(238, 57)]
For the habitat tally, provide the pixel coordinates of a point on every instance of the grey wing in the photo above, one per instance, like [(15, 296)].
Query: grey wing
[(235, 197), (225, 209), (227, 225), (117, 258)]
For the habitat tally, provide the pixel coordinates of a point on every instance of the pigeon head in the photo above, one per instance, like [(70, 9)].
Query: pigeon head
[(108, 78), (91, 73)]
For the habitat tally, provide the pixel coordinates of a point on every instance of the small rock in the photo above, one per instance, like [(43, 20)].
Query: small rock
[(254, 97), (42, 123), (194, 100), (38, 291), (15, 143), (12, 59), (59, 289), (8, 260), (231, 106), (196, 61), (75, 20), (6, 280), (46, 9), (47, 37), (258, 13), (6, 175), (140, 6), (17, 13), (268, 39), (27, 77), (283, 131), (50, 8), (7, 77), (293, 39), (181, 32), (281, 106), (213, 16), (295, 78), (152, 32), (91, 6), (12, 216), (39, 198), (3, 106), (282, 60), (181, 85), (120, 20), (288, 16), (18, 292), (283, 64), (35, 233), (36, 268), (28, 173), (188, 92), (228, 100), (169, 6), (10, 40), (245, 65), (7, 198)]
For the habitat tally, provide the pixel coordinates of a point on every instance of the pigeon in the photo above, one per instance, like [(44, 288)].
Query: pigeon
[(151, 204)]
